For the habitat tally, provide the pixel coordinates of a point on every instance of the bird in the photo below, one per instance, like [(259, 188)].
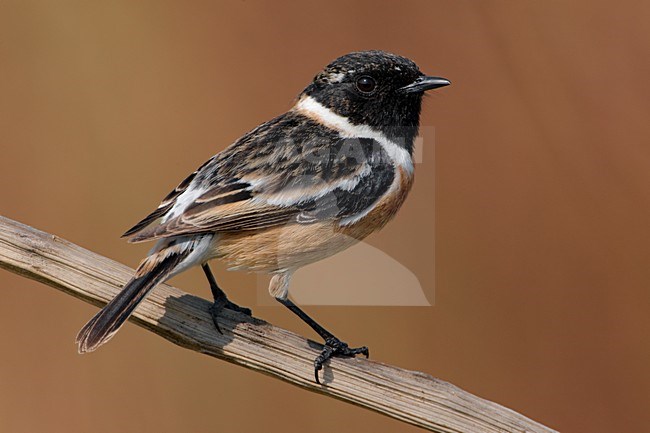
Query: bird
[(309, 183)]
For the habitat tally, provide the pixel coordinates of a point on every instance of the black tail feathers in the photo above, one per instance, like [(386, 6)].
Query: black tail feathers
[(108, 321)]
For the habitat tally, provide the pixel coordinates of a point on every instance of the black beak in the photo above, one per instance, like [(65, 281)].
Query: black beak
[(424, 83)]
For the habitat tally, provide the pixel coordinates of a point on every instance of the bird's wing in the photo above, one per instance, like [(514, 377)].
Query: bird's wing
[(289, 170)]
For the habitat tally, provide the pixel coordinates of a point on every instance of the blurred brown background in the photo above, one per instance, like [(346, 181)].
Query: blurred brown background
[(541, 169)]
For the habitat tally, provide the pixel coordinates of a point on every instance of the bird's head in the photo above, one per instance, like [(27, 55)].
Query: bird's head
[(375, 88)]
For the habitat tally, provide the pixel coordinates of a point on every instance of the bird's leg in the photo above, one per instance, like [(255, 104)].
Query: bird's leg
[(221, 301), (333, 346)]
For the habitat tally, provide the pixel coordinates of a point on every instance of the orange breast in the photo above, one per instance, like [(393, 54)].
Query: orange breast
[(295, 245), (384, 211)]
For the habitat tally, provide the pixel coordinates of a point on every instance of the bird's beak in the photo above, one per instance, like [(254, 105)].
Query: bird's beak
[(424, 83)]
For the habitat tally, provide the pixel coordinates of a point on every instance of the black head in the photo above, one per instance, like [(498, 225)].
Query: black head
[(375, 88)]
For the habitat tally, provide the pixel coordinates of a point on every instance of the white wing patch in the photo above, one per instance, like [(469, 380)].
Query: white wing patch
[(183, 201), (292, 196)]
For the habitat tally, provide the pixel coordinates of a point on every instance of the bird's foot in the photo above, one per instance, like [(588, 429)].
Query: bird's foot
[(220, 304), (335, 347)]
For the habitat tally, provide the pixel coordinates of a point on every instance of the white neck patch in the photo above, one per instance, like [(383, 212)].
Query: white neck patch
[(313, 109)]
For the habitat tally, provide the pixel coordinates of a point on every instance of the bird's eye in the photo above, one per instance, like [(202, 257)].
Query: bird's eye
[(366, 84)]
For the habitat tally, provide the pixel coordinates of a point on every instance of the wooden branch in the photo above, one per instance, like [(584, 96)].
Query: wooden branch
[(413, 397)]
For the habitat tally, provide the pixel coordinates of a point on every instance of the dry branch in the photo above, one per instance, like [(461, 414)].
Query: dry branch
[(413, 397)]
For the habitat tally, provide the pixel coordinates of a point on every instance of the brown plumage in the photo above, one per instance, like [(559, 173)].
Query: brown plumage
[(299, 188)]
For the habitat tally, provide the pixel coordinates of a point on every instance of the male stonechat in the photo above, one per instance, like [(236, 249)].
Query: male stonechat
[(310, 183)]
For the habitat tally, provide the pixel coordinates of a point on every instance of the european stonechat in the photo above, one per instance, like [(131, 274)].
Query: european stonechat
[(311, 182)]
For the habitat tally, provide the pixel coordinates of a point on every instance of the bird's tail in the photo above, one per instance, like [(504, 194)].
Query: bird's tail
[(152, 271)]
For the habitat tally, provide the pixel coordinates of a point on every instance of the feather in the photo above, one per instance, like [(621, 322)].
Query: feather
[(290, 170)]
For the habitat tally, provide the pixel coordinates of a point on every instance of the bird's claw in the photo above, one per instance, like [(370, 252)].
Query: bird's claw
[(335, 347)]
